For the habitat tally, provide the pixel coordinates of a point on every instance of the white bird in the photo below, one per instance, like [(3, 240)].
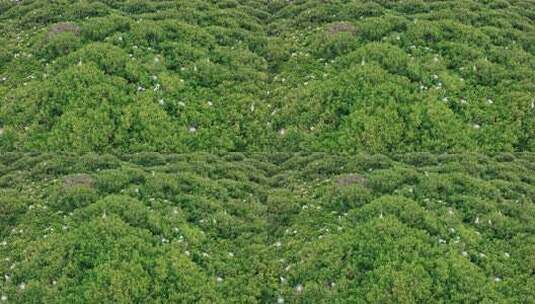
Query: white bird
[(280, 300), (299, 288)]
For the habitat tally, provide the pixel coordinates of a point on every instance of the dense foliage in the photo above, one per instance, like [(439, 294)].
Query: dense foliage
[(253, 75), (106, 197), (267, 228)]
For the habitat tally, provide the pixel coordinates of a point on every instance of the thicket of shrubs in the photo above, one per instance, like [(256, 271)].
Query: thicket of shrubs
[(90, 212), (314, 75), (264, 228)]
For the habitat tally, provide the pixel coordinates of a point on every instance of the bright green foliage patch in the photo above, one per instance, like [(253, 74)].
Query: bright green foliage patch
[(254, 75), (262, 228), (90, 213)]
